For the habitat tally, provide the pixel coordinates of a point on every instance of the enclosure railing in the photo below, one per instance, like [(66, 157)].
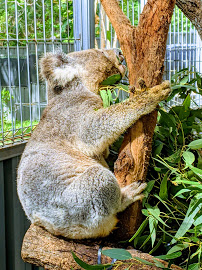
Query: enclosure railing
[(28, 29)]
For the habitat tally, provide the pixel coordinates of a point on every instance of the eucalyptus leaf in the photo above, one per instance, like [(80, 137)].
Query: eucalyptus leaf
[(188, 157), (188, 221), (186, 86), (194, 266), (89, 267), (163, 193), (143, 261), (105, 99), (170, 256), (167, 118), (184, 190), (140, 229), (197, 171), (111, 80), (184, 80), (175, 157), (155, 212), (159, 264), (153, 227), (197, 144), (117, 253), (178, 247)]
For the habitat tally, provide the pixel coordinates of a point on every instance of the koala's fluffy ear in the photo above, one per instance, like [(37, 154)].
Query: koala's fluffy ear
[(56, 70)]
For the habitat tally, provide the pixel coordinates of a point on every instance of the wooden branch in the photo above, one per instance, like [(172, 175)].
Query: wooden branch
[(192, 9), (121, 25), (43, 249), (144, 50)]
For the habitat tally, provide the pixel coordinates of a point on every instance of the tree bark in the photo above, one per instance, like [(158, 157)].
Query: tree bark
[(43, 249), (144, 49), (192, 9)]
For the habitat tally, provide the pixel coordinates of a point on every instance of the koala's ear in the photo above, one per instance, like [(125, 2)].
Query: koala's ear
[(55, 68)]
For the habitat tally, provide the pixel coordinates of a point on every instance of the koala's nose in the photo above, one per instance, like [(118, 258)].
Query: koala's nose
[(119, 55)]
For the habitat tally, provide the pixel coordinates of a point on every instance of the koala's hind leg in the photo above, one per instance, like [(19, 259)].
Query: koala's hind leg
[(131, 193)]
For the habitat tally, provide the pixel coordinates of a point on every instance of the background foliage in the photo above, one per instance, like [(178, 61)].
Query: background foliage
[(172, 225), (32, 14)]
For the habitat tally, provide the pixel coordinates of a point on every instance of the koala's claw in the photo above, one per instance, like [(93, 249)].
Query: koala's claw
[(131, 193)]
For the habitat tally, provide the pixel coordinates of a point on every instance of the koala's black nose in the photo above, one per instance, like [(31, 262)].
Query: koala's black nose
[(119, 55)]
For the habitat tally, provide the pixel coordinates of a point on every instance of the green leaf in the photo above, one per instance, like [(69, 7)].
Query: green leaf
[(182, 191), (198, 221), (178, 247), (117, 253), (87, 266), (167, 119), (170, 256), (197, 144), (109, 93), (188, 220), (194, 266), (197, 171), (153, 227), (159, 264), (158, 145), (184, 80), (163, 193), (155, 212), (109, 35), (188, 157), (181, 86), (175, 157), (104, 96), (140, 229), (185, 109), (125, 87), (111, 80), (143, 261)]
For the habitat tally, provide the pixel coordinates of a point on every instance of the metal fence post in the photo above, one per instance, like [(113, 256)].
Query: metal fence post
[(84, 24)]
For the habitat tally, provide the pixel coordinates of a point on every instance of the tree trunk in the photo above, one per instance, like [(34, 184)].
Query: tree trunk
[(43, 249), (192, 9), (144, 49)]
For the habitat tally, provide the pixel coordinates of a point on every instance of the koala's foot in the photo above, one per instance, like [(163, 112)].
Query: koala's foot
[(131, 193)]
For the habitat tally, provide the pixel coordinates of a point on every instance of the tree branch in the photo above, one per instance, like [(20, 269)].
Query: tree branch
[(120, 23), (192, 9), (144, 49), (43, 249)]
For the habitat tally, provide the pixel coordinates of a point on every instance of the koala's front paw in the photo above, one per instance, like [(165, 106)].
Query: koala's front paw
[(131, 193), (161, 91)]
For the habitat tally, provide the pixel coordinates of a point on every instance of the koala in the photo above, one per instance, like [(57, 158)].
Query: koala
[(64, 183)]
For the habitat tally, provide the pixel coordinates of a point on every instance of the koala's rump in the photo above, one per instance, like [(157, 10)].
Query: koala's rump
[(62, 191)]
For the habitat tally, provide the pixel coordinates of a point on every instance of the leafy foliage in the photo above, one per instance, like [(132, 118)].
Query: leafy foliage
[(173, 198), (172, 227)]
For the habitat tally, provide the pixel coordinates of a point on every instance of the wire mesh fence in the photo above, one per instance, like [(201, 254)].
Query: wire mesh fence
[(28, 30)]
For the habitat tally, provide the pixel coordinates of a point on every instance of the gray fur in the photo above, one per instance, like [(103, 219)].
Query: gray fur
[(64, 183)]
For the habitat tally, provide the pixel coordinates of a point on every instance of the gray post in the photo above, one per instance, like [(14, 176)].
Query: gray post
[(84, 24)]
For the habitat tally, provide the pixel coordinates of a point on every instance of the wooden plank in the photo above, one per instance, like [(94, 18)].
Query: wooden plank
[(9, 222), (15, 150), (2, 219), (19, 220)]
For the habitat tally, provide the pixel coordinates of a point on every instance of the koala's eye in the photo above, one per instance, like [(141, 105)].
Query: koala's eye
[(58, 89)]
